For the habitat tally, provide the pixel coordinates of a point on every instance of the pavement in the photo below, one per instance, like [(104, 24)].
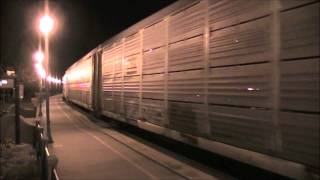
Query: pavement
[(88, 151)]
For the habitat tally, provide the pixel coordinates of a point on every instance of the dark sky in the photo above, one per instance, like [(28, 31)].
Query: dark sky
[(81, 26)]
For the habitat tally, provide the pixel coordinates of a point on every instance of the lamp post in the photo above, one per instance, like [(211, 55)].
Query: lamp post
[(38, 56), (46, 25)]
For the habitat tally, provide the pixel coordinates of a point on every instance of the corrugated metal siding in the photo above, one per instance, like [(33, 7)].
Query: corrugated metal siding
[(245, 43), (111, 63), (186, 86), (112, 60), (153, 61), (107, 65), (229, 12), (65, 85), (132, 45), (117, 105), (235, 88), (247, 85), (107, 102), (239, 80), (300, 137), (131, 86), (131, 107), (299, 82), (79, 80), (246, 127), (117, 88), (154, 36), (184, 116), (153, 111), (187, 54), (300, 85), (153, 86), (287, 4), (300, 32), (187, 23), (131, 65)]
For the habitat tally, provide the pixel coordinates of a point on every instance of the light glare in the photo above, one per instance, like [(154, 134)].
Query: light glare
[(53, 80), (46, 24), (38, 66), (38, 56), (4, 81), (42, 73)]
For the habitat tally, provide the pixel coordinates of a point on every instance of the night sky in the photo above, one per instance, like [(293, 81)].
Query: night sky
[(81, 26)]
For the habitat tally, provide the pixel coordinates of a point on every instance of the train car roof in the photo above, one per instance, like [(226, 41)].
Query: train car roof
[(152, 19)]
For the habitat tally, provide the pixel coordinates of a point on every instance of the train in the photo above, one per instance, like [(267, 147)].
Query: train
[(239, 78)]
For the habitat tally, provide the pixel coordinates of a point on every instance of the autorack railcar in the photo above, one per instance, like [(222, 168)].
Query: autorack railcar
[(239, 78)]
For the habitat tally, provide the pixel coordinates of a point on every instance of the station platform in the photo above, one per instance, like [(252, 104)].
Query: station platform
[(88, 149)]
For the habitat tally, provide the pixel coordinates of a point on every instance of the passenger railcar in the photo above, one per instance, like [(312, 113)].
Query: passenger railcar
[(239, 78)]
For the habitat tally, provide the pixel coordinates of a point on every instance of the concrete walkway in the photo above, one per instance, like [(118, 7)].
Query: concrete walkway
[(85, 152)]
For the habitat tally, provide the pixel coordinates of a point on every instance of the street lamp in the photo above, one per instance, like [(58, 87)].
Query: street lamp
[(46, 25), (38, 56)]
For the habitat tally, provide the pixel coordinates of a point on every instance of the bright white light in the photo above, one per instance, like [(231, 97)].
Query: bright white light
[(10, 72), (38, 56), (46, 24), (250, 89), (53, 80), (38, 66), (4, 81), (49, 79), (42, 73)]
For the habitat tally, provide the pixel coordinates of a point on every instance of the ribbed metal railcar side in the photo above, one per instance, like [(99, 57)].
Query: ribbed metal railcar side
[(240, 75), (78, 82), (64, 86)]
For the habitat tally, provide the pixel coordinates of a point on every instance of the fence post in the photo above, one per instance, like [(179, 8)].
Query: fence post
[(17, 110)]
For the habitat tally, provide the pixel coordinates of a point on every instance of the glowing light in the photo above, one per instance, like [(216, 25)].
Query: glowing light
[(38, 56), (38, 66), (10, 72), (46, 24), (53, 80), (4, 81), (253, 89), (49, 79), (42, 73)]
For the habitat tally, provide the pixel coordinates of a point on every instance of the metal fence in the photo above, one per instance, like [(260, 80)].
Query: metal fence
[(47, 172)]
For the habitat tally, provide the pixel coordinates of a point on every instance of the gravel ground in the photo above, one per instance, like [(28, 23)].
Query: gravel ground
[(18, 162)]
